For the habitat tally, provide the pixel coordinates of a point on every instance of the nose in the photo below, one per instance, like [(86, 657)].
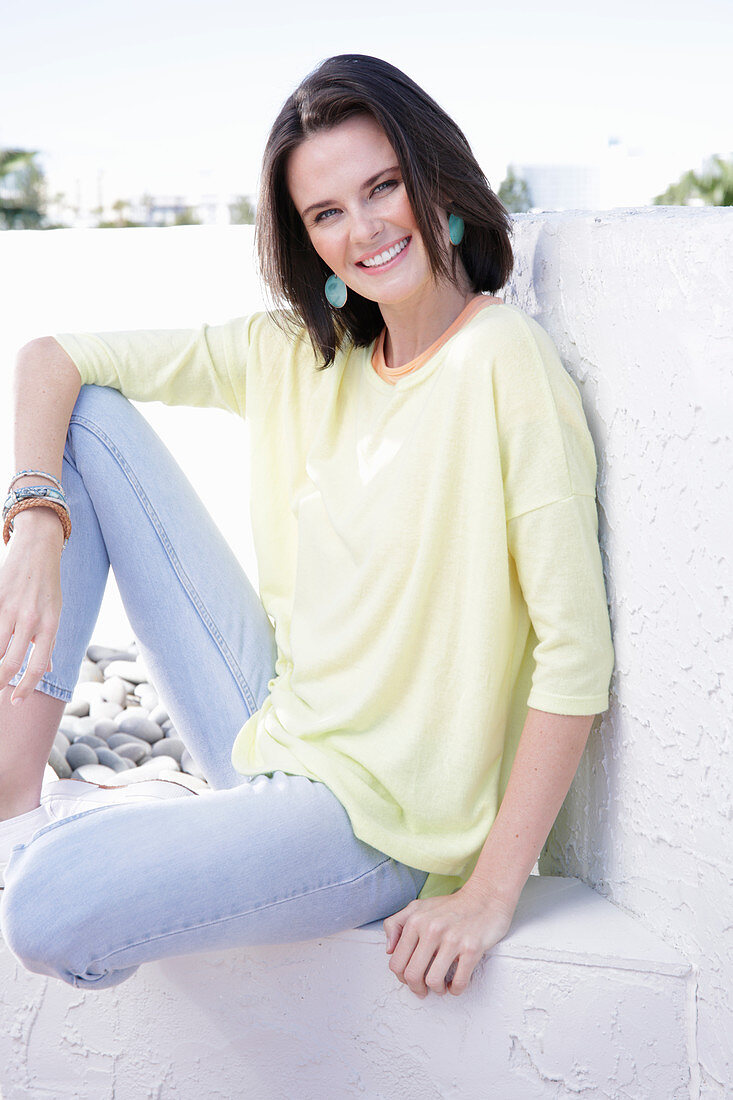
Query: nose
[(365, 226)]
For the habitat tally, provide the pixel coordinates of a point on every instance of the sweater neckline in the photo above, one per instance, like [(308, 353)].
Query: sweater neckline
[(391, 377)]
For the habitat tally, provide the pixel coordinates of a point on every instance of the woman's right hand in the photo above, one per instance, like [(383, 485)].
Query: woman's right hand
[(30, 598)]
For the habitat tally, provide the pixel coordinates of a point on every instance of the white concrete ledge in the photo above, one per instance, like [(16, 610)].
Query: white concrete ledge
[(578, 999)]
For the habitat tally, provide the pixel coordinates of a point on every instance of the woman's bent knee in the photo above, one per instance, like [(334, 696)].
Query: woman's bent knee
[(48, 919)]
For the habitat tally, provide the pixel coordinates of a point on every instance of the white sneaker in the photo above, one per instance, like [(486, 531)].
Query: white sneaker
[(67, 797)]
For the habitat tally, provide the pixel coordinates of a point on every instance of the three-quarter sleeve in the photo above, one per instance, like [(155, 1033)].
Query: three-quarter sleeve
[(556, 553), (203, 367), (549, 472)]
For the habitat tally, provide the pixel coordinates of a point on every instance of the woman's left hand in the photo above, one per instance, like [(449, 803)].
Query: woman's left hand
[(427, 937)]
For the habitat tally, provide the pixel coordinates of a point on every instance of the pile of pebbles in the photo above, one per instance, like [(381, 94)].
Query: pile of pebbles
[(115, 730)]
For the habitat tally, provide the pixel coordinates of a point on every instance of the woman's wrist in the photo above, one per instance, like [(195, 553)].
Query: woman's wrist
[(38, 525), (492, 894)]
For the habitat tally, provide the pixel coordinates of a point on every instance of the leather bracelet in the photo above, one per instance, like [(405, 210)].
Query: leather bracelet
[(37, 502)]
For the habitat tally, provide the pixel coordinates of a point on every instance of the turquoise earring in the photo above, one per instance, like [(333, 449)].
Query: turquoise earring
[(336, 291), (456, 227)]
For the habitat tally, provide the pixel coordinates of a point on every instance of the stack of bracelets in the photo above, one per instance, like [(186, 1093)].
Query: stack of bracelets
[(35, 496)]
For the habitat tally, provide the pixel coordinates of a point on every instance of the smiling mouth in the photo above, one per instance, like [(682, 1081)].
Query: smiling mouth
[(385, 257)]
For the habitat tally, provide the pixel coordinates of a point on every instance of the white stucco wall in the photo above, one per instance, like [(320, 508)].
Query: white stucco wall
[(578, 1001), (639, 305)]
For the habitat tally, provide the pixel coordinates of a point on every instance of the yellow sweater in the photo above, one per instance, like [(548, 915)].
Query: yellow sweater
[(427, 551)]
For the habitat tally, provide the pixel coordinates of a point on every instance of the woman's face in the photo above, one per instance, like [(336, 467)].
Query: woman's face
[(347, 186)]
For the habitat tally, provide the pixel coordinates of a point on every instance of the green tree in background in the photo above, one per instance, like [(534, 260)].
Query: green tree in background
[(22, 190), (242, 211), (713, 186), (121, 221), (514, 192), (187, 216)]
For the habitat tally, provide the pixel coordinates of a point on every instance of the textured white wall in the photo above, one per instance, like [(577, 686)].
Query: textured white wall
[(639, 305), (578, 1002)]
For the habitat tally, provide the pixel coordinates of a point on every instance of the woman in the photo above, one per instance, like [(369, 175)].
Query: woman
[(414, 689)]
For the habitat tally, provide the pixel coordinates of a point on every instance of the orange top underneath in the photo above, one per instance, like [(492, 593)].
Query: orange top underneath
[(390, 374)]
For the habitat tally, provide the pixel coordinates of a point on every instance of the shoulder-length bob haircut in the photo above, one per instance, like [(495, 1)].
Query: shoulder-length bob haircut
[(439, 171)]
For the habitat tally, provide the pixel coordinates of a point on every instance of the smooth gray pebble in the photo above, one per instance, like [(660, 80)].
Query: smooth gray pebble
[(141, 727), (59, 763), (99, 653), (89, 739), (134, 751), (130, 671), (77, 708), (104, 728), (111, 760), (118, 739), (188, 764), (79, 754), (89, 673), (170, 746), (86, 725)]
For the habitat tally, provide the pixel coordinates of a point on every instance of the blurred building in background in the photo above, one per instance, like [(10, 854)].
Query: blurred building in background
[(616, 176), (613, 175)]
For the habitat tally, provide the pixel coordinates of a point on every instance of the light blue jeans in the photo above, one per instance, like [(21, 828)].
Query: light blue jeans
[(271, 859)]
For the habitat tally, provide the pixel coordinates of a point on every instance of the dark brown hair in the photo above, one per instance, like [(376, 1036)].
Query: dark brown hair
[(438, 170)]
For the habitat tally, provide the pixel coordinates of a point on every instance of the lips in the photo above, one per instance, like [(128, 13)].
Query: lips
[(381, 259)]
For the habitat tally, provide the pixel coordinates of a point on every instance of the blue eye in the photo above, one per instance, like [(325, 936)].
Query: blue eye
[(323, 214), (385, 183)]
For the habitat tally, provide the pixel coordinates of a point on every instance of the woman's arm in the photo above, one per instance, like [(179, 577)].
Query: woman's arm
[(46, 386), (464, 925), (203, 366)]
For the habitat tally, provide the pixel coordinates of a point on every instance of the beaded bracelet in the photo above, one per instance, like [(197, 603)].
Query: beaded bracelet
[(36, 496), (37, 502), (34, 491), (39, 473)]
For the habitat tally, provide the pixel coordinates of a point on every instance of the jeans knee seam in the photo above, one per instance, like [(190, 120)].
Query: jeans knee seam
[(180, 572), (238, 916)]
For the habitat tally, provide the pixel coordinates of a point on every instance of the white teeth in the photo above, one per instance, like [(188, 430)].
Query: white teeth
[(384, 257)]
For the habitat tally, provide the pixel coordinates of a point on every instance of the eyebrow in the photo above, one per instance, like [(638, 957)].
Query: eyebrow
[(365, 186)]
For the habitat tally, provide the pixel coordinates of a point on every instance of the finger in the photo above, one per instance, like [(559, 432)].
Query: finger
[(438, 973), (6, 635), (466, 965), (421, 960), (393, 926), (13, 659), (403, 952)]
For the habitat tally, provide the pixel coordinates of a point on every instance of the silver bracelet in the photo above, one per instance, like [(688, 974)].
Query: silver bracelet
[(40, 473)]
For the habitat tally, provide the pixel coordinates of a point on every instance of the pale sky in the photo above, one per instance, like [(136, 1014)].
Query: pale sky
[(177, 96)]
